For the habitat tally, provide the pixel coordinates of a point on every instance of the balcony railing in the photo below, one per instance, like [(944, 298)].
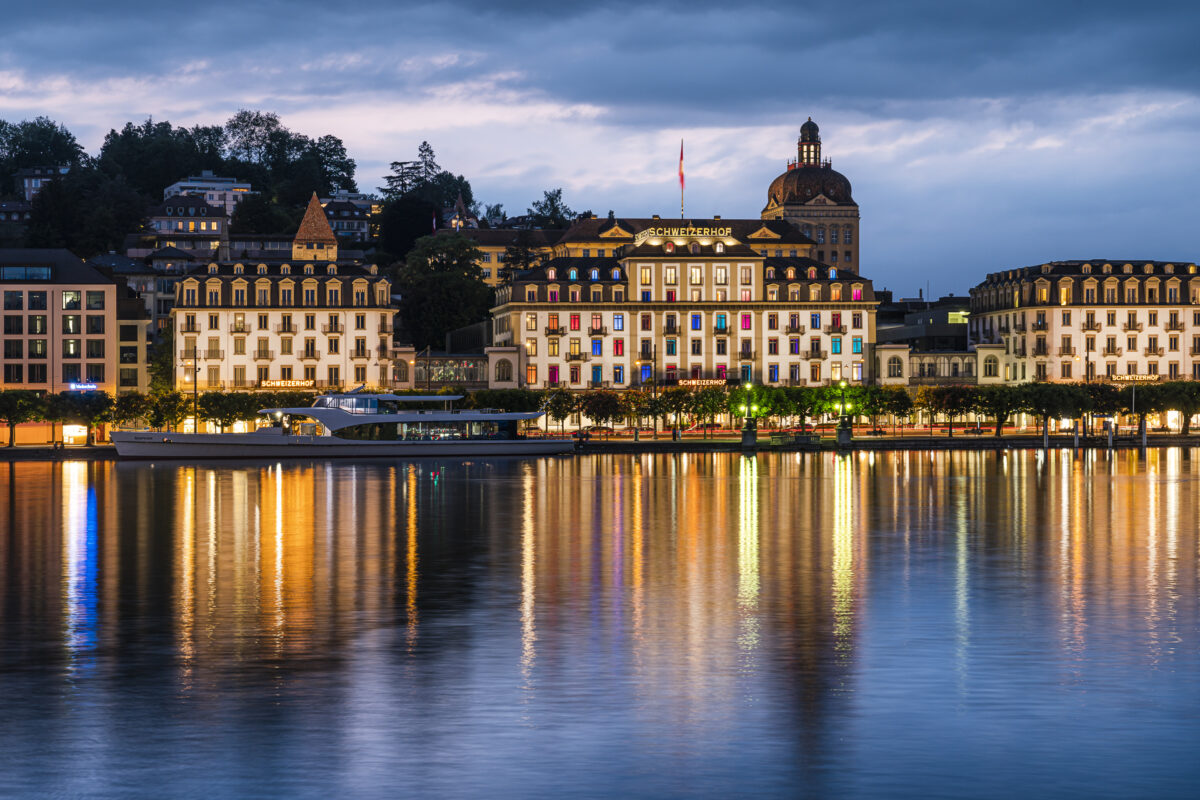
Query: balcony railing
[(1066, 351), (670, 330), (601, 331), (1153, 351), (1112, 351), (264, 355), (1091, 325), (599, 384), (1041, 350), (189, 328), (1018, 327), (559, 331), (309, 355), (285, 328), (556, 384), (578, 356), (814, 354), (794, 329), (1195, 351), (1041, 325), (360, 353), (721, 330), (835, 328), (1174, 325), (1003, 327), (239, 328), (333, 327), (1132, 327), (746, 355), (386, 327), (189, 355)]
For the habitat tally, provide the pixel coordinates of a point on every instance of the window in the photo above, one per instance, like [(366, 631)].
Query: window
[(696, 322), (671, 347), (574, 322), (95, 301), (772, 322), (618, 374), (597, 347), (794, 345), (895, 367), (815, 321), (746, 322), (504, 370), (856, 345), (646, 322), (697, 347), (618, 322), (773, 373), (618, 347), (835, 345), (721, 347), (71, 301), (773, 346), (721, 275)]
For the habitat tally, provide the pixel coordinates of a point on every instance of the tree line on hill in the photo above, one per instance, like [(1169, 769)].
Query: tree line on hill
[(674, 406)]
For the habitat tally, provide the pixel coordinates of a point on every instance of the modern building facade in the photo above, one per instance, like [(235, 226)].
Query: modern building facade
[(1089, 320), (632, 302), (214, 189)]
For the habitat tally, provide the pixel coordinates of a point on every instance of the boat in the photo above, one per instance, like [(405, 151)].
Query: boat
[(356, 425)]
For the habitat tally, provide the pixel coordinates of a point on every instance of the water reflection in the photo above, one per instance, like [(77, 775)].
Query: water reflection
[(687, 624)]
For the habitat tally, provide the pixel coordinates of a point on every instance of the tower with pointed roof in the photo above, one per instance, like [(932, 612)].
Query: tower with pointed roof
[(314, 240)]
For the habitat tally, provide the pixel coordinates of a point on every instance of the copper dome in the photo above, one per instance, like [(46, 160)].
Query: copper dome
[(801, 184)]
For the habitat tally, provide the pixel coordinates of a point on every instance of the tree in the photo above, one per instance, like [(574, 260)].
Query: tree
[(153, 155), (707, 404), (40, 142), (248, 134), (559, 405), (161, 365), (441, 288), (494, 213), (676, 401), (18, 406), (601, 406), (85, 408), (550, 211), (896, 401), (167, 409), (404, 177), (257, 214), (130, 407), (86, 212), (804, 402), (427, 166), (953, 402), (403, 220), (522, 253), (1184, 397), (998, 401)]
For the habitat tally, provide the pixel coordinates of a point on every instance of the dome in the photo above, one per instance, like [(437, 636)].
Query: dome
[(801, 184), (809, 132)]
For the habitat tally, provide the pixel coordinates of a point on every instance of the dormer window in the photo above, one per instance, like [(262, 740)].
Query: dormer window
[(770, 273), (212, 269), (694, 248), (238, 269), (551, 274), (616, 274), (791, 273), (668, 247), (594, 275), (308, 269), (832, 274), (719, 247), (262, 269), (573, 274), (812, 273), (331, 269), (286, 269)]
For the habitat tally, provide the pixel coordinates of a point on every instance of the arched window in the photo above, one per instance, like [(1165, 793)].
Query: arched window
[(770, 273), (812, 273), (573, 274), (833, 274), (594, 275), (719, 247), (401, 371), (551, 274), (991, 367), (668, 247), (791, 273), (616, 273), (504, 371), (895, 367), (694, 248)]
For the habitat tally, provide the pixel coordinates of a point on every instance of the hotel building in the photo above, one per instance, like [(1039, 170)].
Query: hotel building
[(310, 321), (1089, 320), (629, 302)]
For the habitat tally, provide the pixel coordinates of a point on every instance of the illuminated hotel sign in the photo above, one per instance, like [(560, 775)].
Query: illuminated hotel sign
[(703, 382), (82, 387), (681, 232), (290, 384), (1136, 378)]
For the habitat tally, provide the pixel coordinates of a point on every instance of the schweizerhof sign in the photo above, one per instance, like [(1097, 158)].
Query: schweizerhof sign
[(682, 232)]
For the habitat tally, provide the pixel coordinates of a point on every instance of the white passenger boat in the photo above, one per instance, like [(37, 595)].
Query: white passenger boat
[(355, 425)]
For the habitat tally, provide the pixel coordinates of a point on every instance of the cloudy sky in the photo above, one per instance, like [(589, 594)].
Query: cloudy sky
[(977, 136)]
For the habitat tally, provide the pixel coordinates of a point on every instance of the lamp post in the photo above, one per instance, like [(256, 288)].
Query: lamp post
[(844, 431), (749, 424)]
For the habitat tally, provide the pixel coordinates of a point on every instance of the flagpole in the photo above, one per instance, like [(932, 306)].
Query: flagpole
[(681, 178)]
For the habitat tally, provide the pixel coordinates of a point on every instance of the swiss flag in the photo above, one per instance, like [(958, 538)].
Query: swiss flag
[(681, 165)]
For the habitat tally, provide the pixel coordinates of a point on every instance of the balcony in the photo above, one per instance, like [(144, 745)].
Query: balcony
[(671, 330), (794, 329), (1041, 350), (328, 384), (1041, 325), (599, 384), (1195, 351), (189, 327), (721, 330), (578, 357), (285, 327), (810, 354), (191, 355), (360, 353), (837, 329), (559, 331), (264, 355), (1132, 327), (1112, 351), (1153, 351), (1174, 325), (746, 355), (309, 355), (601, 331), (555, 385), (1091, 325), (333, 327), (386, 327), (1018, 327), (239, 328), (1066, 351)]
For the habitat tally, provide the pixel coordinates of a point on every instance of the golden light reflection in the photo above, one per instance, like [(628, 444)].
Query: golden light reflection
[(843, 553), (748, 558), (410, 573), (528, 579)]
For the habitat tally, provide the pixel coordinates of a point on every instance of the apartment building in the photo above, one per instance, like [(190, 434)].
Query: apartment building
[(1091, 320), (634, 302)]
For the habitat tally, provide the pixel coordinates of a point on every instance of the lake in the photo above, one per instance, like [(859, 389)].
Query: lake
[(909, 624)]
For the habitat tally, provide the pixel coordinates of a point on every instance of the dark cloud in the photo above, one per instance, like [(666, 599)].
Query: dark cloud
[(1021, 122)]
